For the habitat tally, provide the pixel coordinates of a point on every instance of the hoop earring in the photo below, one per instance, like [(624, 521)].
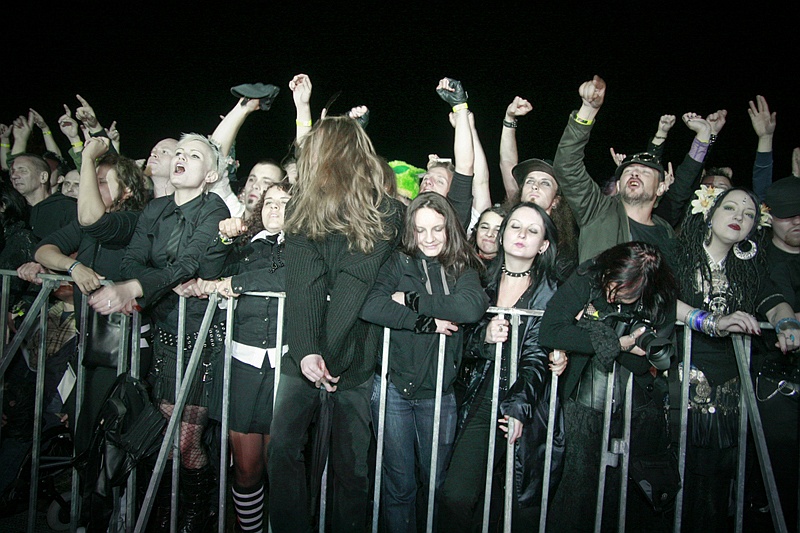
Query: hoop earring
[(749, 254)]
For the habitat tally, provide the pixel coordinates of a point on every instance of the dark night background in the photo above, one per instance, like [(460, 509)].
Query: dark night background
[(160, 70)]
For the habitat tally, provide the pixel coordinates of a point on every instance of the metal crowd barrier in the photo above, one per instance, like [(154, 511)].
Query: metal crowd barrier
[(515, 315), (617, 455)]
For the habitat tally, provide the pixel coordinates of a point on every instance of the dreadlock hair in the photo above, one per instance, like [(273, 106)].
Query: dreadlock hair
[(457, 255), (692, 263), (544, 264), (638, 271)]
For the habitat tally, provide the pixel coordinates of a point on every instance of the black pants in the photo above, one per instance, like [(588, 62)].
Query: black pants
[(297, 405)]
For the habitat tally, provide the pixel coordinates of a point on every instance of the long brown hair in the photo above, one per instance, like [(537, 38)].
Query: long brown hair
[(457, 255), (340, 185)]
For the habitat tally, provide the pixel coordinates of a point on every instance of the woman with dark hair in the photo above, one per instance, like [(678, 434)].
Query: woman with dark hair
[(429, 286), (590, 316), (91, 249), (255, 264), (522, 276), (724, 285), (484, 237), (340, 228)]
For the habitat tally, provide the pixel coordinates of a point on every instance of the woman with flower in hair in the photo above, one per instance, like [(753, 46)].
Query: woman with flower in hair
[(724, 287)]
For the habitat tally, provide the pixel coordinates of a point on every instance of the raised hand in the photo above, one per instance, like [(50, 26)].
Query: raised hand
[(697, 124), (618, 158), (360, 114), (35, 118), (21, 128), (717, 120), (86, 114), (796, 162), (113, 134), (519, 107), (68, 125), (96, 147), (5, 132), (763, 121), (451, 91), (593, 92), (300, 86), (665, 123)]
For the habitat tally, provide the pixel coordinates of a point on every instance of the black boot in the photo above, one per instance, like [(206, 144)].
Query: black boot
[(160, 517), (197, 487)]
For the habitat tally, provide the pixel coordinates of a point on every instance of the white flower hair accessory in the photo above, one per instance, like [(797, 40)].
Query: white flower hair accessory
[(706, 196)]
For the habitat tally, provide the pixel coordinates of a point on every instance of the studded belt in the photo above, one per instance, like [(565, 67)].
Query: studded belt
[(216, 337)]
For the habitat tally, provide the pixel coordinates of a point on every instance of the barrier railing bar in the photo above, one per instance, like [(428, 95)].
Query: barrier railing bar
[(33, 496), (75, 508), (741, 347), (437, 414), (487, 496), (606, 457), (5, 291), (513, 359), (174, 421), (226, 399), (741, 455), (624, 449), (24, 329), (176, 444), (384, 377), (548, 450)]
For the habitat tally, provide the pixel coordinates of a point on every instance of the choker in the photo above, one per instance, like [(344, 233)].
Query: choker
[(515, 274)]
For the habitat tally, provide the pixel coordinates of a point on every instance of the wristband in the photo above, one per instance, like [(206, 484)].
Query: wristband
[(77, 144), (509, 124), (584, 121), (224, 240), (662, 137), (303, 123), (47, 132), (72, 267), (5, 145), (459, 107)]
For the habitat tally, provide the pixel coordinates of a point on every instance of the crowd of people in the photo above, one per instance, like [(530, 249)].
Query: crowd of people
[(358, 243)]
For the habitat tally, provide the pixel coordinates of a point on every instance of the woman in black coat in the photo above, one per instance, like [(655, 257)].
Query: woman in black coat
[(522, 276)]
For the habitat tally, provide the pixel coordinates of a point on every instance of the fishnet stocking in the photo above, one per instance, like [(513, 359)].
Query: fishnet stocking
[(193, 422)]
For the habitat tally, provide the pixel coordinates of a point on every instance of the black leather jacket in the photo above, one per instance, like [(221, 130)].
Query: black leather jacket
[(528, 398)]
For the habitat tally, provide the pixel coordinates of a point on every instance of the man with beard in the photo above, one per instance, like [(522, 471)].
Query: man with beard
[(605, 221)]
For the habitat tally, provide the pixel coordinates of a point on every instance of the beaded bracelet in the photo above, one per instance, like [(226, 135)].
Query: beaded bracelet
[(224, 240), (779, 327)]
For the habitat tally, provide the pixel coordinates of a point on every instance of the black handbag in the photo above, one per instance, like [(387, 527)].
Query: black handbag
[(102, 340), (657, 477)]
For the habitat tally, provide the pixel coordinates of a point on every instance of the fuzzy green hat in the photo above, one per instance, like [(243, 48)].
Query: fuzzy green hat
[(407, 178)]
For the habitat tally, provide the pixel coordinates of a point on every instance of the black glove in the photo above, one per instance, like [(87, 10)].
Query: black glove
[(425, 324), (363, 120), (412, 301), (455, 97), (265, 93)]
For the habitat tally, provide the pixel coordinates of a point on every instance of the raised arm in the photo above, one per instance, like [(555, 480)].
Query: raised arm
[(69, 127), (5, 146), (49, 143), (508, 143), (578, 188), (300, 86), (452, 92), (85, 113), (228, 128), (764, 124), (21, 128), (90, 202)]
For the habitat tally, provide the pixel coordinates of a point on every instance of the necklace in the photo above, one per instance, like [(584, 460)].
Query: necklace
[(515, 274), (715, 295)]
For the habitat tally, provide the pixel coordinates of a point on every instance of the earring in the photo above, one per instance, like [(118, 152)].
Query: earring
[(749, 254)]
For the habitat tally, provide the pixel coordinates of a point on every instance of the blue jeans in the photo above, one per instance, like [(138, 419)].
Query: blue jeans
[(408, 438)]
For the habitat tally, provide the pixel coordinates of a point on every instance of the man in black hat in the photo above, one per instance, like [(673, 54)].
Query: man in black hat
[(606, 221), (777, 385)]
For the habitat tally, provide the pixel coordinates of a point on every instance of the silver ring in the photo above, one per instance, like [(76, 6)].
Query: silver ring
[(109, 303)]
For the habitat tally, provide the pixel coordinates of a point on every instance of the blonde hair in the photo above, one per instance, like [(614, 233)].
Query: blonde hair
[(340, 185)]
